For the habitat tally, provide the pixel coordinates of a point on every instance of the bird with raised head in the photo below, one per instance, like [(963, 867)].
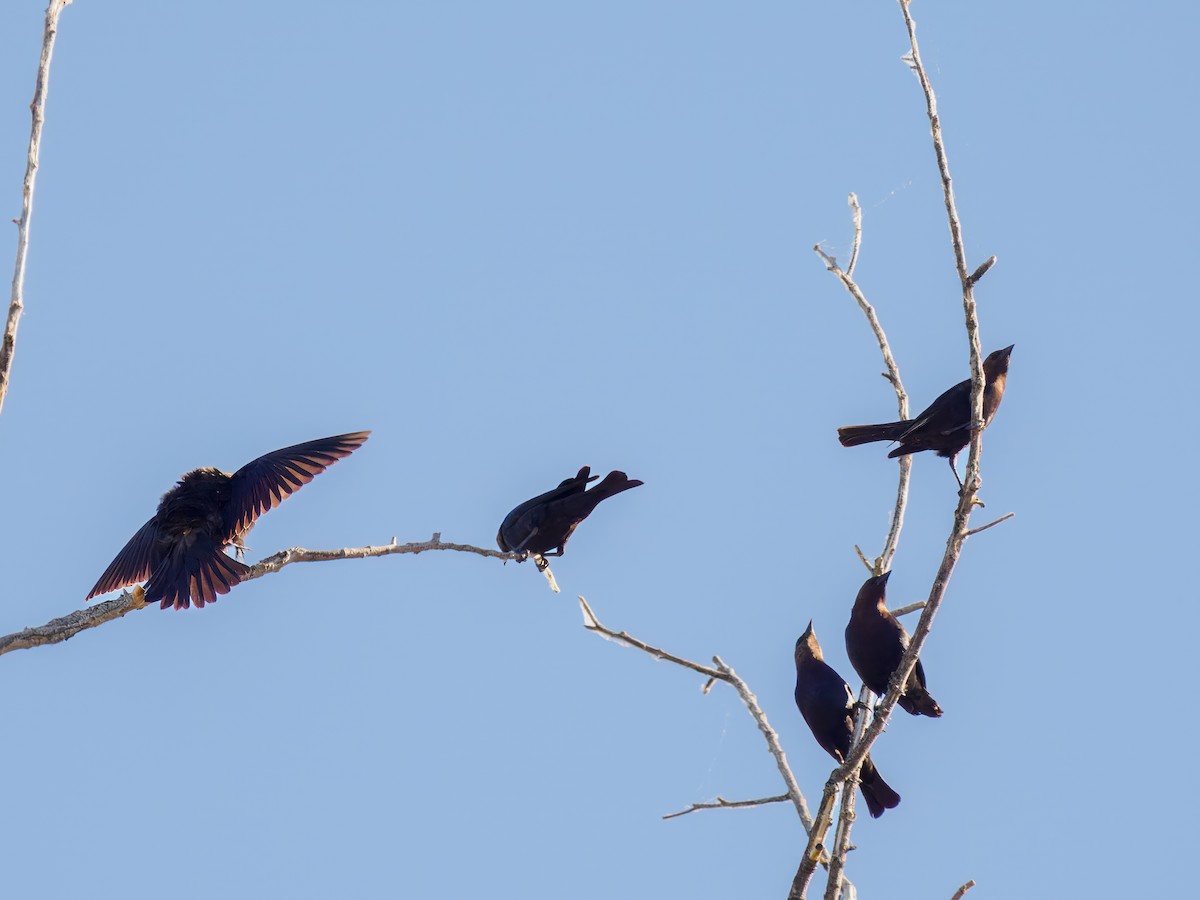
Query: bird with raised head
[(827, 704), (875, 641), (945, 425)]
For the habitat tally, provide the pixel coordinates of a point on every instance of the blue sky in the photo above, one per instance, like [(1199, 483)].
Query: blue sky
[(514, 239)]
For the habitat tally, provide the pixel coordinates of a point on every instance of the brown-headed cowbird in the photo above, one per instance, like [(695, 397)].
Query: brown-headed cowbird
[(544, 524), (180, 552), (945, 425), (827, 704), (875, 641)]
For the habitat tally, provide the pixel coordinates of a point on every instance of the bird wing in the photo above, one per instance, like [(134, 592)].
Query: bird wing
[(132, 564), (264, 483), (919, 672), (527, 515), (948, 413)]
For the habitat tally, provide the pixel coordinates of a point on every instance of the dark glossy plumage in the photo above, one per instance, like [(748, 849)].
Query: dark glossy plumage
[(544, 524), (875, 641), (827, 704), (180, 552), (945, 425)]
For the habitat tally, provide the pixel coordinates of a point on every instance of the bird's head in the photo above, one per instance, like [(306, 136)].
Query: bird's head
[(873, 593), (807, 646), (997, 362)]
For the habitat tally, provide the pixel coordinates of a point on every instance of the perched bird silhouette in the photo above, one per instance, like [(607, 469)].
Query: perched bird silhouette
[(544, 524), (875, 641), (180, 552), (945, 425), (827, 704)]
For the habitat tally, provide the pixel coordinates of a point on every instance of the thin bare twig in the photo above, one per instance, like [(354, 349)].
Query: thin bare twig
[(722, 803), (772, 739), (591, 623), (856, 217), (884, 560), (958, 895), (543, 566), (58, 630), (1003, 518), (722, 672), (38, 108), (981, 271), (907, 608), (970, 314)]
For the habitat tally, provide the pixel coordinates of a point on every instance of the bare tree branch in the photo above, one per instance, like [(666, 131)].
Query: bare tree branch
[(722, 672), (884, 561), (856, 219), (967, 498), (591, 623), (38, 108), (958, 895), (981, 271), (813, 850), (58, 630), (907, 608), (722, 803), (1003, 518), (772, 739)]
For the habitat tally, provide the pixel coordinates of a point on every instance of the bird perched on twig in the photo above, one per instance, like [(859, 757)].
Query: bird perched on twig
[(180, 552), (875, 641), (945, 425), (827, 704), (544, 524)]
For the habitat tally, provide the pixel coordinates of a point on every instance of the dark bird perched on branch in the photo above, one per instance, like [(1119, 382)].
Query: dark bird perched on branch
[(827, 704), (181, 551), (945, 425), (875, 641), (544, 524)]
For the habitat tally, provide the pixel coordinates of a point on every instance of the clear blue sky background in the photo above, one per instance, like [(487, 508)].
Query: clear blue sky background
[(518, 238)]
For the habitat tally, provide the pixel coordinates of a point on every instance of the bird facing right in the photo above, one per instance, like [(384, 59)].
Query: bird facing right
[(945, 425), (544, 524), (875, 641), (827, 704)]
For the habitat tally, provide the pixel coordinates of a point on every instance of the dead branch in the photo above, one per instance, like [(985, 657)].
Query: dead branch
[(16, 303), (58, 630), (722, 803)]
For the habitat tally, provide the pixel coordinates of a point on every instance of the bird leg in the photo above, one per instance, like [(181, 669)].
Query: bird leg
[(954, 469)]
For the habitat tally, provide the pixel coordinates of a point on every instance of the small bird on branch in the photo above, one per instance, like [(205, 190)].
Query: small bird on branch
[(543, 525), (827, 704), (945, 425), (180, 552), (875, 641)]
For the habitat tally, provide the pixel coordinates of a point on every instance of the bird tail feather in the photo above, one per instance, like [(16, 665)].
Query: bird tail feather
[(877, 792), (919, 702), (853, 435), (194, 570)]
